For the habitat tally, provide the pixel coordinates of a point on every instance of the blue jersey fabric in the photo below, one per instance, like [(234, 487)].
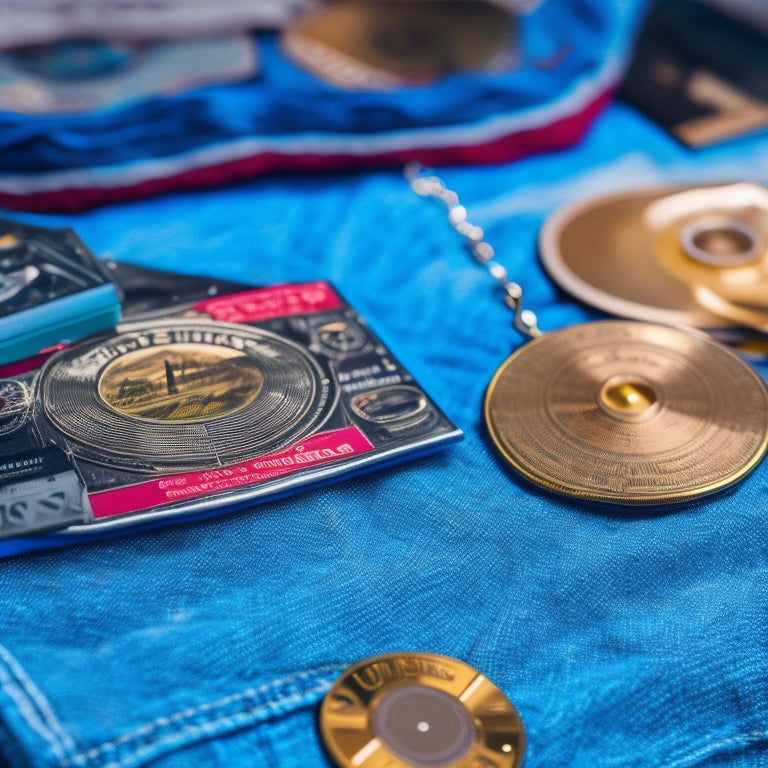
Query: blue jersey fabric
[(624, 637), (562, 45), (570, 55)]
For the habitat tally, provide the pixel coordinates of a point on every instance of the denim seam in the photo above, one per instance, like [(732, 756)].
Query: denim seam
[(184, 735), (707, 751), (33, 706), (149, 739)]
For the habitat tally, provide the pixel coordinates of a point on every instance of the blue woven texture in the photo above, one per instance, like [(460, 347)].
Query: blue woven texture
[(624, 638)]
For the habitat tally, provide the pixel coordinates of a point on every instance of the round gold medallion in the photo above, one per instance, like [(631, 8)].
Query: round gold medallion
[(419, 710), (628, 413), (181, 382)]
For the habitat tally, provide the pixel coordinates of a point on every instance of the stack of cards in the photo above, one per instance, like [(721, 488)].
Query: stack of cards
[(52, 291)]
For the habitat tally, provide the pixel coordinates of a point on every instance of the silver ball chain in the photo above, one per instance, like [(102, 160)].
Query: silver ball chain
[(426, 184)]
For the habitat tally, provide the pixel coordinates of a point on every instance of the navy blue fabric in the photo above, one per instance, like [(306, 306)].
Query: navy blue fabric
[(624, 637)]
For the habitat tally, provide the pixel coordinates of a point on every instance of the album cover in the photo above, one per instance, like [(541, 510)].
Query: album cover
[(238, 398), (700, 73)]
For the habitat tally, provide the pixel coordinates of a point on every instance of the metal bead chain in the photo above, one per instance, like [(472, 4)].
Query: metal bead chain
[(427, 184)]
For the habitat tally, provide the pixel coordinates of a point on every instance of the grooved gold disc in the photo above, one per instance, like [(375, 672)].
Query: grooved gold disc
[(180, 394), (628, 413), (380, 45), (693, 256), (414, 710)]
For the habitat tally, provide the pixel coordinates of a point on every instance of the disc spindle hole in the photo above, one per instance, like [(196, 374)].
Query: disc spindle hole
[(628, 398), (721, 242)]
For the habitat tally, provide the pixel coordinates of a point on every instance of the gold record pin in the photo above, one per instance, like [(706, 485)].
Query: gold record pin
[(380, 45), (414, 710), (691, 256), (628, 413)]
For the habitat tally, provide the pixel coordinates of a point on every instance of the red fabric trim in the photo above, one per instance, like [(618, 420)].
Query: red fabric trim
[(554, 136)]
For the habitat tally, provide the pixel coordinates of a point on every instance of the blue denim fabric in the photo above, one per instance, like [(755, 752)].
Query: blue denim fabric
[(624, 637)]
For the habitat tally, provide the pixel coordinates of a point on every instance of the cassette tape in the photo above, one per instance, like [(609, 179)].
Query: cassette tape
[(241, 398)]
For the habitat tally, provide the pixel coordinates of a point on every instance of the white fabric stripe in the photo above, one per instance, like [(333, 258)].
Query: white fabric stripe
[(479, 133)]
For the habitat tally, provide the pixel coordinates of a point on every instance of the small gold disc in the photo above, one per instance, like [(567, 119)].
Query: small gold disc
[(628, 413), (379, 45), (414, 710)]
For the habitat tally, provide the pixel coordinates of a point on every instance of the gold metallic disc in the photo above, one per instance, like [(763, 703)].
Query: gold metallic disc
[(685, 256), (379, 45), (628, 413), (716, 240), (414, 710)]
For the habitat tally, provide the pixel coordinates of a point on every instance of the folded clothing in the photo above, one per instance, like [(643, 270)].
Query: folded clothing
[(572, 54)]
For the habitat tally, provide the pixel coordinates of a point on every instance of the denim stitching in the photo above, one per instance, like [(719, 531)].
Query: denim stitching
[(707, 751), (33, 706), (185, 733)]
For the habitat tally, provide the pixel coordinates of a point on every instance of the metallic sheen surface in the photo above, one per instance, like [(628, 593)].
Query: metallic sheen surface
[(628, 413), (686, 256), (162, 395), (408, 710)]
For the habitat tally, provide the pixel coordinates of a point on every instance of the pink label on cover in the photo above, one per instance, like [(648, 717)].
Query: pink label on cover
[(324, 448), (276, 301)]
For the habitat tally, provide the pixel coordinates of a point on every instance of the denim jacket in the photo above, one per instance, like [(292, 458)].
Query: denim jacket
[(624, 637)]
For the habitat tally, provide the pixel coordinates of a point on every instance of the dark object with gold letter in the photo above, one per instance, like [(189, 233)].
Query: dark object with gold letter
[(701, 74)]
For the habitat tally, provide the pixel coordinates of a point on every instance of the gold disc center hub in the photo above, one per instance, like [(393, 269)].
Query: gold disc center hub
[(628, 398)]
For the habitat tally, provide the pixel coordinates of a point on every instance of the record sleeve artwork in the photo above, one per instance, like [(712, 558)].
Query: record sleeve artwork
[(242, 398), (626, 412)]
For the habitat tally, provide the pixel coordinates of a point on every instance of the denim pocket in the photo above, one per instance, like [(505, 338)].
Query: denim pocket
[(34, 736)]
